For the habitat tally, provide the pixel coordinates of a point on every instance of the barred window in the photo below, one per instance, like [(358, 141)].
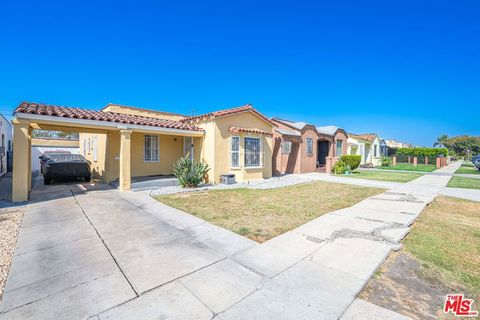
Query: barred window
[(235, 152), (309, 146), (253, 152), (151, 153), (286, 147)]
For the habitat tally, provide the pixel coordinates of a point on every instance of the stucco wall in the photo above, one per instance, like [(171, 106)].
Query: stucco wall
[(221, 150), (142, 112), (87, 145)]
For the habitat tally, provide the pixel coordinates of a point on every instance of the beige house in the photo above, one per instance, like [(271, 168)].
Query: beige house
[(367, 146), (124, 142)]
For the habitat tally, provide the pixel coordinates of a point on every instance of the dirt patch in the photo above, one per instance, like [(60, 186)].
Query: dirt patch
[(406, 286), (10, 222)]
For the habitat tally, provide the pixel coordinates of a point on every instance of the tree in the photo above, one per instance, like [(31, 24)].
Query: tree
[(441, 141), (463, 145)]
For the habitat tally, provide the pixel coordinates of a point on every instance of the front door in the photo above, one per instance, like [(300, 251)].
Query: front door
[(322, 152)]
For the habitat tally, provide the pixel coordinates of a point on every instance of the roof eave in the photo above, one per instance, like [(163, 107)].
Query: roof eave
[(107, 125)]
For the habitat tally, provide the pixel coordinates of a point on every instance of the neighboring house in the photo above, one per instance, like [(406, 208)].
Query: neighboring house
[(367, 146), (397, 144), (383, 148), (300, 147), (41, 145), (124, 142), (5, 143)]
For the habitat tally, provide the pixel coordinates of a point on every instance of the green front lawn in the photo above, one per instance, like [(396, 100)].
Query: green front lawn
[(462, 182), (445, 239), (411, 167), (384, 176), (467, 168), (263, 214)]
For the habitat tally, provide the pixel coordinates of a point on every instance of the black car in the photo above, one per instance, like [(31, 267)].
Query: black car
[(64, 166), (45, 155)]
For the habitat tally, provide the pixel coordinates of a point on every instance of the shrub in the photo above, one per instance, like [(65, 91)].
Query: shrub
[(353, 161), (386, 162), (341, 167), (190, 173), (432, 153)]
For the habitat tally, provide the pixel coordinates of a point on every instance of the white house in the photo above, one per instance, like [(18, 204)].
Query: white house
[(5, 143), (365, 145)]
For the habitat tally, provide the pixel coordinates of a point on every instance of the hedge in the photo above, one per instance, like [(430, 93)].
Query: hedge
[(402, 154), (352, 160), (422, 152)]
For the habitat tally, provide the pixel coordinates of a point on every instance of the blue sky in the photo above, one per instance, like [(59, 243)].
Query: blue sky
[(408, 70)]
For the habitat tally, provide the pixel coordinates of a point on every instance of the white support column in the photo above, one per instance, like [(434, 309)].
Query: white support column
[(125, 170)]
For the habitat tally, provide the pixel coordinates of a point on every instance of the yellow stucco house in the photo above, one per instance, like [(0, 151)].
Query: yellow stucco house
[(124, 142)]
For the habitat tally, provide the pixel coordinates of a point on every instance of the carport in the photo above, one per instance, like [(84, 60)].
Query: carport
[(117, 127)]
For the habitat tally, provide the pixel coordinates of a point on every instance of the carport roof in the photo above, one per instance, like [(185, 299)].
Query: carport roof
[(120, 118)]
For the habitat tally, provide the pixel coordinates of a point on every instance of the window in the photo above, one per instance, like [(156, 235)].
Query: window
[(338, 151), (253, 153), (235, 152), (151, 148), (95, 147), (375, 150), (286, 147), (84, 147), (309, 146)]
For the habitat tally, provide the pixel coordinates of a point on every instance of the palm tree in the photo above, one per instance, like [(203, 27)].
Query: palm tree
[(441, 141)]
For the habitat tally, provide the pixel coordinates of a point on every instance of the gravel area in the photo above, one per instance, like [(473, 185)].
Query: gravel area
[(10, 222)]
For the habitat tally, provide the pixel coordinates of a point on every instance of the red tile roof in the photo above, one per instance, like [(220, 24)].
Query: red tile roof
[(236, 130), (227, 112), (76, 113)]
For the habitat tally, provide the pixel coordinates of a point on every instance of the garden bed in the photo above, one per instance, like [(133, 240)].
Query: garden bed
[(263, 214)]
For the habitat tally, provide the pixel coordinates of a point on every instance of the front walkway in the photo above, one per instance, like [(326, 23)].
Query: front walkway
[(89, 251)]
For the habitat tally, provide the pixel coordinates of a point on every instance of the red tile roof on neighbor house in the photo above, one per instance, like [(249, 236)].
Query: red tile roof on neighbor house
[(227, 112), (236, 130), (77, 113)]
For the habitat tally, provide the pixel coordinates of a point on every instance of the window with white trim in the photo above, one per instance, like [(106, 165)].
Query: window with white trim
[(309, 146), (253, 152), (286, 147), (95, 148), (235, 152), (151, 151), (338, 151)]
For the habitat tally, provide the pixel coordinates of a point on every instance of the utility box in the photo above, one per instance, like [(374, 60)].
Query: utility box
[(227, 178)]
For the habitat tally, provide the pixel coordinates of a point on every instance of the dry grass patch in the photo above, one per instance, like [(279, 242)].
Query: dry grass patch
[(446, 239), (263, 214)]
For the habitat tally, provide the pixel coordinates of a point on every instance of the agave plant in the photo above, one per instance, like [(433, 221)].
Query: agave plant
[(190, 173)]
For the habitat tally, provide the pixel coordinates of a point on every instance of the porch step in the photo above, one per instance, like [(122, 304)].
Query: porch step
[(321, 169), (145, 183)]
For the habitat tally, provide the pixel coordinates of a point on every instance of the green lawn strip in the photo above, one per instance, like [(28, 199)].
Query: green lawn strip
[(263, 214), (446, 240), (463, 182), (384, 176), (467, 169), (410, 167)]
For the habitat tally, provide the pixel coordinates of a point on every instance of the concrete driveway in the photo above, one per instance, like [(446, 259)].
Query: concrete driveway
[(88, 251), (83, 249)]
